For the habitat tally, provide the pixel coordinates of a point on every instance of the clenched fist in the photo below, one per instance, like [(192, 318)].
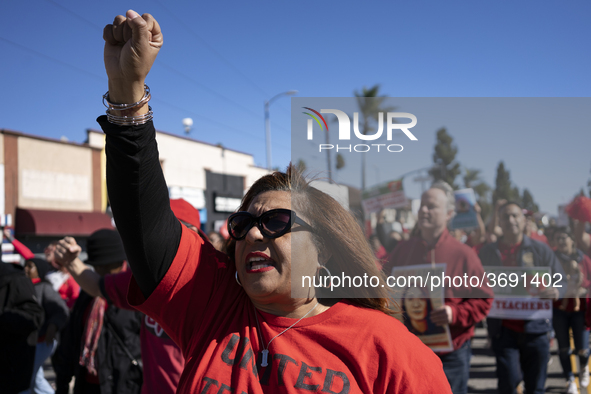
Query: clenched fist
[(131, 45), (66, 251)]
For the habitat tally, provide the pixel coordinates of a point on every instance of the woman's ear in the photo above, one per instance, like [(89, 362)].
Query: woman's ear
[(323, 257)]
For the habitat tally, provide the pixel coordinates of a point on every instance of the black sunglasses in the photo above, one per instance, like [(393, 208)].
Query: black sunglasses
[(272, 224)]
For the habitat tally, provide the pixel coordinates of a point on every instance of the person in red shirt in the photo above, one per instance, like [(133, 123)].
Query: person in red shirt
[(464, 307), (162, 358), (521, 346), (233, 314)]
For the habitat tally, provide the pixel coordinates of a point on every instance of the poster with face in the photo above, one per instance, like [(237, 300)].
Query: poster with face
[(417, 300)]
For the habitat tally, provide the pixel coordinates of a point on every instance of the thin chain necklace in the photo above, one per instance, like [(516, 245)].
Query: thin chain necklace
[(265, 351)]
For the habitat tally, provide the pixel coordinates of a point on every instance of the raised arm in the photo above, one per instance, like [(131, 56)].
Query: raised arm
[(494, 227), (137, 190), (66, 255), (479, 235), (18, 247)]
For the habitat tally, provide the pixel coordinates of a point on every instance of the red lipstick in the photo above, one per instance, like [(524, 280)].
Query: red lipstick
[(257, 262)]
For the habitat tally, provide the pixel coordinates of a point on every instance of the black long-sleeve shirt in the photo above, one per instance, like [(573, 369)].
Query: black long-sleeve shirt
[(139, 199)]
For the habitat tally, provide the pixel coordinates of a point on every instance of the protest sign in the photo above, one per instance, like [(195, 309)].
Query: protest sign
[(516, 292), (385, 195), (417, 300), (465, 217)]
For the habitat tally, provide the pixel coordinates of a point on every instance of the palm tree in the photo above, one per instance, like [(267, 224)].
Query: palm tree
[(370, 104)]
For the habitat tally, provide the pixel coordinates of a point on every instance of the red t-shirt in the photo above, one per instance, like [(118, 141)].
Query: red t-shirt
[(162, 358), (509, 258), (346, 349), (509, 254)]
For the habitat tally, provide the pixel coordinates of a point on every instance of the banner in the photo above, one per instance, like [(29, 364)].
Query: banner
[(521, 309), (516, 292), (385, 195)]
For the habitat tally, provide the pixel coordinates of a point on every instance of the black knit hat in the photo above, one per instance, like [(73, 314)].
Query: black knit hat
[(105, 247), (42, 266)]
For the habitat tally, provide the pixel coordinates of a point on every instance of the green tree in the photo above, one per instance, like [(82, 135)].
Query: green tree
[(503, 187), (370, 104), (527, 201), (445, 168), (472, 179)]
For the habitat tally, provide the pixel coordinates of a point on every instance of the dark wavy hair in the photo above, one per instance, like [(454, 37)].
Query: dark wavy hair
[(336, 234)]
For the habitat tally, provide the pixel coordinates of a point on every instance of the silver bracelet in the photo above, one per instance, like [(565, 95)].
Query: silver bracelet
[(123, 107), (130, 120)]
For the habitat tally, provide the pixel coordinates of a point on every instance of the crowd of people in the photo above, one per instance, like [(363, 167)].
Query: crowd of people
[(161, 307), (512, 239), (109, 346)]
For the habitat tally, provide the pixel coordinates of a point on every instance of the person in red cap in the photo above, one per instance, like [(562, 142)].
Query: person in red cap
[(162, 358), (187, 214)]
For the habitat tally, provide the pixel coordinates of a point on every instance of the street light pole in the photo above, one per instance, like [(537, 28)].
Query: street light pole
[(268, 123)]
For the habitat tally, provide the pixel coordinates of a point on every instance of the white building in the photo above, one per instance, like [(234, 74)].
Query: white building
[(212, 178)]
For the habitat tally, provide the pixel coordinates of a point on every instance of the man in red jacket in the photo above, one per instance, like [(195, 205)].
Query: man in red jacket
[(464, 306)]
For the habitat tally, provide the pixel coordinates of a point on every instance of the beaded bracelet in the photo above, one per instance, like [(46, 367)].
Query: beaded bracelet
[(130, 120), (123, 107)]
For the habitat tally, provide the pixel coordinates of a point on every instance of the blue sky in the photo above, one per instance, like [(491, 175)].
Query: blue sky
[(221, 60)]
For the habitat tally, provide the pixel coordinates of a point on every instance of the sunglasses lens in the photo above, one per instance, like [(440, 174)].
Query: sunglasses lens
[(276, 222), (239, 225)]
